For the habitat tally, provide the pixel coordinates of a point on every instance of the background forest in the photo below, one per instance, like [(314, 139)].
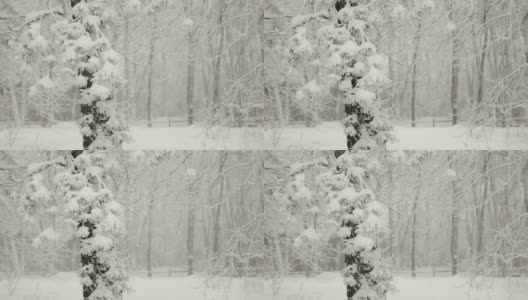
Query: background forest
[(230, 213), (226, 63), (449, 61)]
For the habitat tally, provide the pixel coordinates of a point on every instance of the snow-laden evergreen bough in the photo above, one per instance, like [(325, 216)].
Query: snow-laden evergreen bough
[(334, 39), (80, 202), (68, 48), (338, 202), (75, 52)]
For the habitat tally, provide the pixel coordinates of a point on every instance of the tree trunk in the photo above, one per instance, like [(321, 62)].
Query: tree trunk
[(525, 37), (92, 118), (150, 73), (524, 178), (190, 72), (259, 110), (454, 224), (414, 221), (217, 213), (217, 65), (414, 72), (351, 260), (190, 232), (126, 46), (149, 239), (90, 259), (14, 109), (483, 53), (190, 83), (455, 65), (481, 207)]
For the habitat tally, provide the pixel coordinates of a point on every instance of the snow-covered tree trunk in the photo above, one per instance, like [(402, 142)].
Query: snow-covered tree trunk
[(87, 60)]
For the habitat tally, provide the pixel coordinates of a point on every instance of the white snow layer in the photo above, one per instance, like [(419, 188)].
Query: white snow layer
[(327, 136), (66, 286)]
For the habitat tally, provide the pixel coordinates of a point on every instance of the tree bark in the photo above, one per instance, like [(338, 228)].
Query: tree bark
[(455, 65), (525, 37), (481, 207), (149, 239), (150, 73), (217, 65), (414, 223), (454, 224), (190, 72), (190, 226), (483, 53), (414, 72), (524, 178), (217, 213)]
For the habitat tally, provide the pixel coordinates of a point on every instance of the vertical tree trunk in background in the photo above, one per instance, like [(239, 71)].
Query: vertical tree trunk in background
[(455, 66), (151, 71), (190, 82), (126, 46), (525, 37), (524, 178), (190, 241), (414, 72), (454, 222), (260, 110), (217, 212), (149, 239), (190, 70), (74, 263), (213, 117), (391, 217), (481, 207), (190, 225), (414, 223), (483, 52), (14, 108)]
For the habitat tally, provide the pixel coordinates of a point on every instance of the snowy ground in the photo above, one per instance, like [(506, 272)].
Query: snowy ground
[(328, 136), (324, 287)]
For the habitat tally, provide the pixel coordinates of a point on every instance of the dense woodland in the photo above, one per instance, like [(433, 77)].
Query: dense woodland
[(365, 211), (449, 60), (226, 63), (181, 60), (229, 213)]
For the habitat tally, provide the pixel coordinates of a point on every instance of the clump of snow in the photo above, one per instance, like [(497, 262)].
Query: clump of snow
[(133, 6), (450, 27), (188, 23), (190, 173), (399, 11)]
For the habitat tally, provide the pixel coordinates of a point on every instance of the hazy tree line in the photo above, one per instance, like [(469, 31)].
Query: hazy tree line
[(185, 61), (225, 63), (449, 60), (225, 213)]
